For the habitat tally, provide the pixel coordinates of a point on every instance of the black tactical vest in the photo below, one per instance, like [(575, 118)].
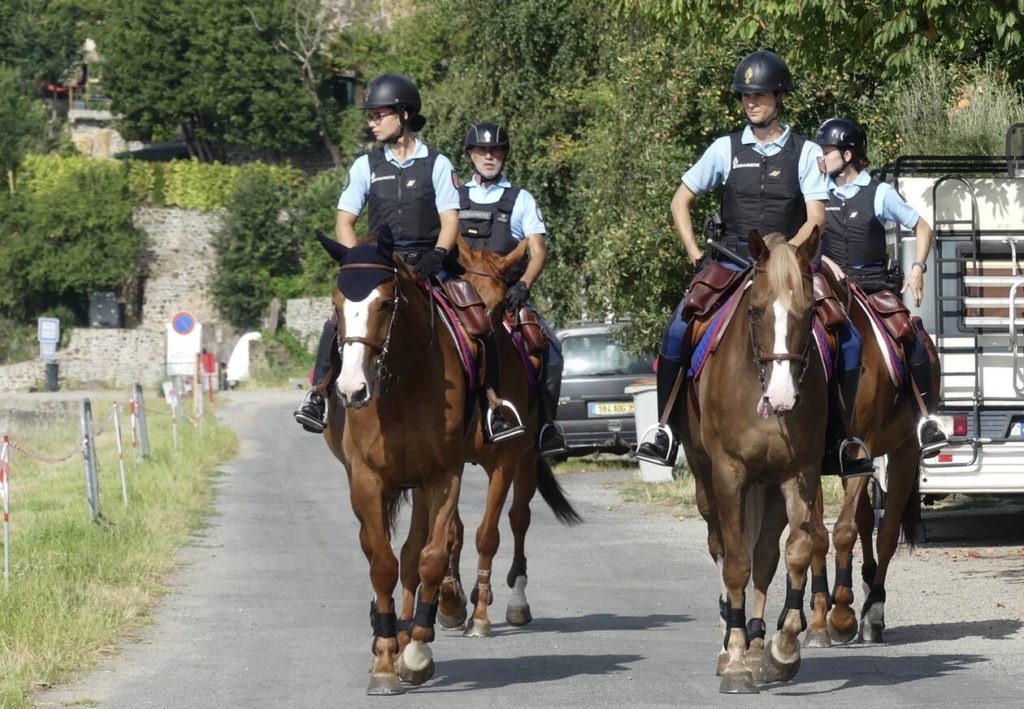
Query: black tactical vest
[(762, 193), (853, 234), (404, 199), (488, 226)]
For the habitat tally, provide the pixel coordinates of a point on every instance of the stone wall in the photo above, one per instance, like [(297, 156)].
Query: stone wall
[(21, 376), (304, 317)]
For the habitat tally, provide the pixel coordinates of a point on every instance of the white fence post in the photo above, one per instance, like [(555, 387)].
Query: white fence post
[(120, 454), (92, 483)]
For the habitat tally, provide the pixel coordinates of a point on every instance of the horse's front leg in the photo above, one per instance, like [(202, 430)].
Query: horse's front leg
[(782, 655), (817, 628), (416, 663), (842, 621), (370, 499), (487, 540), (419, 527), (765, 562), (451, 612)]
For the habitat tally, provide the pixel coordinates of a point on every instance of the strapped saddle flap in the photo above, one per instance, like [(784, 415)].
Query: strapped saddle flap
[(708, 289), (468, 306), (533, 334), (894, 313), (830, 310)]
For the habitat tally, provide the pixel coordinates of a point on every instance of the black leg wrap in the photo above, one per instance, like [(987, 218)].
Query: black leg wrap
[(844, 577), (385, 625), (819, 584), (474, 595), (877, 595), (426, 616), (404, 625), (518, 569), (756, 628), (735, 618), (794, 601), (867, 572), (723, 608)]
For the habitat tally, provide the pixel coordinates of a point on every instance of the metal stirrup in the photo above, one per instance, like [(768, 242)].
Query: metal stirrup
[(653, 429), (516, 429), (853, 440), (920, 429)]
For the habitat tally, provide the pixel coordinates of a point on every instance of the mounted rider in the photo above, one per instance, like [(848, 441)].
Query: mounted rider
[(410, 192), (855, 246), (772, 182), (496, 215)]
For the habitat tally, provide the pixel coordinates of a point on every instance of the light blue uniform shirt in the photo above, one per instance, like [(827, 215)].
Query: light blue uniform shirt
[(889, 206), (356, 192), (714, 165), (525, 219)]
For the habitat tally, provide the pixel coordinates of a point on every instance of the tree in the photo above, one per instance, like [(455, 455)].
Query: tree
[(42, 39), (22, 124)]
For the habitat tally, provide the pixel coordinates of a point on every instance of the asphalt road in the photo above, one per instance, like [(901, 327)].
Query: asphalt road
[(270, 609)]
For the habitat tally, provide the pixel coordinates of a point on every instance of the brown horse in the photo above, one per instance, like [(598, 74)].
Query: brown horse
[(403, 428), (886, 418), (512, 463), (756, 418)]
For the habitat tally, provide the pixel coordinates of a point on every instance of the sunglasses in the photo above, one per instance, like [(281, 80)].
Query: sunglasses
[(378, 116)]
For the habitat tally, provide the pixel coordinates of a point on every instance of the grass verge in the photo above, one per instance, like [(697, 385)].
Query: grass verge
[(76, 586)]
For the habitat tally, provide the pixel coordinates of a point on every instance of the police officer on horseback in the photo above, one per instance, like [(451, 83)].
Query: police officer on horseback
[(410, 192), (772, 182), (855, 246), (496, 215)]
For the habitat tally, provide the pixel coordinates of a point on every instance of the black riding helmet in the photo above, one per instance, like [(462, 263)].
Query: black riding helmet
[(397, 92), (762, 71), (487, 135), (845, 135)]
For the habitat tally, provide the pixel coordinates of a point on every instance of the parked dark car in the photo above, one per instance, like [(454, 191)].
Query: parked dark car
[(594, 410)]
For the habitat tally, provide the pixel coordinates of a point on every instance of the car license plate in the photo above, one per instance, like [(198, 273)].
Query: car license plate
[(610, 408), (1017, 430)]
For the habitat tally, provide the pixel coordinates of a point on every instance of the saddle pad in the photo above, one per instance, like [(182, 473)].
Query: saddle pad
[(891, 350), (826, 347), (462, 346), (532, 375)]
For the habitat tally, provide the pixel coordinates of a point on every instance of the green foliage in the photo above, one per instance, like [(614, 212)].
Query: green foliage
[(42, 39), (191, 184), (254, 247), (68, 231), (22, 123), (313, 211), (278, 359)]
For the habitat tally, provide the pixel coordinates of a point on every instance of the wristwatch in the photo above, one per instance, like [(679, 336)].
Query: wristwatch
[(922, 264)]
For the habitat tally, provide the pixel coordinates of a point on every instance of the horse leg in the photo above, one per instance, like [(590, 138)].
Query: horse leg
[(451, 613), (902, 505), (782, 656), (416, 663), (842, 622), (735, 564), (817, 627), (487, 540), (369, 502), (523, 488), (409, 573), (771, 513)]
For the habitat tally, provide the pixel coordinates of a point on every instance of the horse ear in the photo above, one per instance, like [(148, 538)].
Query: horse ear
[(463, 245), (514, 256), (808, 251), (758, 249), (336, 250)]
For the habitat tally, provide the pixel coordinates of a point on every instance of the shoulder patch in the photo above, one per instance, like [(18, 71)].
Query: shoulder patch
[(540, 217), (455, 180)]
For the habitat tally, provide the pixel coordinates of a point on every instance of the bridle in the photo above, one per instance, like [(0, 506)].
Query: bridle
[(761, 359), (383, 375)]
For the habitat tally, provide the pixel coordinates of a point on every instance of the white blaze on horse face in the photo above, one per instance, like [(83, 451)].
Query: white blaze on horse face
[(353, 372), (781, 391)]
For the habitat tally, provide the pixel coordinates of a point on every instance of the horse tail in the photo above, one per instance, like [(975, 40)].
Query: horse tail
[(552, 492), (910, 517), (753, 516), (392, 507)]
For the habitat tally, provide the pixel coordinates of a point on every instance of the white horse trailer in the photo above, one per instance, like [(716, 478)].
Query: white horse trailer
[(974, 309)]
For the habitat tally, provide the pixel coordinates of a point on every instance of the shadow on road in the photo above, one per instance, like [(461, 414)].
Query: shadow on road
[(854, 670), (995, 629), (494, 673), (596, 622)]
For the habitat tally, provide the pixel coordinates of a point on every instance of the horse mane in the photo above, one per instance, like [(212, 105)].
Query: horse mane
[(785, 275)]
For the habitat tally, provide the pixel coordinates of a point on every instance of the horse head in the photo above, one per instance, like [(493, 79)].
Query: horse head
[(486, 270), (780, 312), (367, 300)]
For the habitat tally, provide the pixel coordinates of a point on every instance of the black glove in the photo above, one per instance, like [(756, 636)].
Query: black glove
[(430, 263), (701, 264), (516, 296)]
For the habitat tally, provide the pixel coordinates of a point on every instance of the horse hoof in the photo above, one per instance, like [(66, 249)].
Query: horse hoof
[(478, 629), (817, 638), (416, 677), (738, 682), (871, 632), (839, 637), (723, 660), (384, 685), (452, 622), (775, 671), (518, 616), (753, 660)]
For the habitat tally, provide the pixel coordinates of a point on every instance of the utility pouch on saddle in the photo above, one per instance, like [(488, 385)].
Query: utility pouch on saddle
[(533, 334), (877, 279), (708, 289), (894, 314), (830, 311), (468, 306)]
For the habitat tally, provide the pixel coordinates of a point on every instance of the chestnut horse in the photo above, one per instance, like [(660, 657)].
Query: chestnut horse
[(512, 463), (403, 428), (886, 418), (756, 418)]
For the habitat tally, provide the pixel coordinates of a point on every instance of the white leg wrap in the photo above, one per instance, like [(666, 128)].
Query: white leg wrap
[(416, 655), (517, 599), (875, 614)]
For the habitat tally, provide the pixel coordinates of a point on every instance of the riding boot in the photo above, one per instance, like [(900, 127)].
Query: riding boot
[(850, 466), (312, 412), (663, 447), (551, 439), (932, 438), (497, 427)]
